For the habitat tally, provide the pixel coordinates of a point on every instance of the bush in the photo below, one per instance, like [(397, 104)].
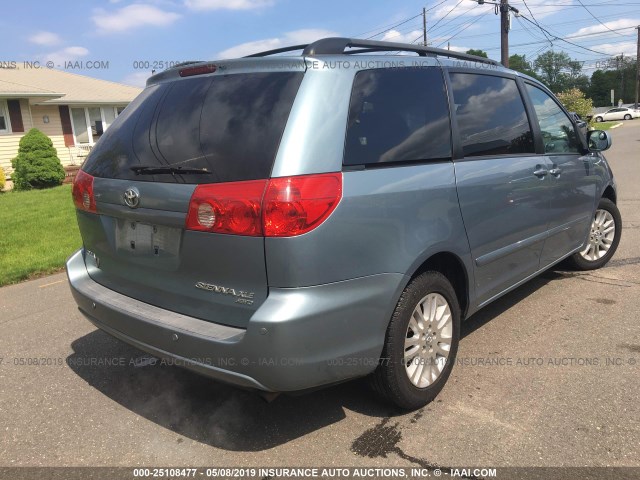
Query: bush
[(37, 164), (2, 179), (575, 101)]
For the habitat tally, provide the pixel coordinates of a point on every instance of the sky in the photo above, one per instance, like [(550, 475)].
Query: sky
[(123, 40)]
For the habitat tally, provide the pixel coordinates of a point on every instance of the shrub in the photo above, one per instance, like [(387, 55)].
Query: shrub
[(575, 101), (37, 164), (2, 179)]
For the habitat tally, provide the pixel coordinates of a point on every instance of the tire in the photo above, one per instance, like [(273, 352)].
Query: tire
[(627, 117), (391, 378), (592, 258), (598, 119)]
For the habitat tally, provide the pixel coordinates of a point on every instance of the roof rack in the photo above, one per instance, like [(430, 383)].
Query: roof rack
[(278, 50), (338, 45)]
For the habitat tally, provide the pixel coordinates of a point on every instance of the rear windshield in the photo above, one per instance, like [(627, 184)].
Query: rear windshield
[(228, 127)]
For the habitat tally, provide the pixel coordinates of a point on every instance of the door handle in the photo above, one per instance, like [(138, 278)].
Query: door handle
[(540, 172), (555, 171)]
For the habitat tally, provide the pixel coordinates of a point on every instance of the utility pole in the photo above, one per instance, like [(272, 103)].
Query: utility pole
[(424, 26), (505, 24), (638, 67), (504, 32)]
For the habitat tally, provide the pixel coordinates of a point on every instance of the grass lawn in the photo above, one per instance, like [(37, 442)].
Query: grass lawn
[(38, 231), (603, 125)]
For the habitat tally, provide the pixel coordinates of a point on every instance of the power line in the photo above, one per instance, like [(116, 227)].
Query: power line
[(596, 18), (453, 19), (559, 38), (446, 15), (394, 26), (534, 19), (573, 36), (463, 29)]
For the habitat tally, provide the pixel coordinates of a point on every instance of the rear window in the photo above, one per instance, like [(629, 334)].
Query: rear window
[(398, 115), (230, 125)]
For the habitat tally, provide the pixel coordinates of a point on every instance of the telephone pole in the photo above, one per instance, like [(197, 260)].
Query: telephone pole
[(638, 67), (504, 32), (505, 24), (424, 26)]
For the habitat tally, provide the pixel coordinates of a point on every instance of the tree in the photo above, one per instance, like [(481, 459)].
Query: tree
[(37, 164), (575, 101), (600, 88), (478, 53), (519, 63), (619, 74), (552, 67)]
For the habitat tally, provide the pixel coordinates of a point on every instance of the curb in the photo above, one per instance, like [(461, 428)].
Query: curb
[(619, 124)]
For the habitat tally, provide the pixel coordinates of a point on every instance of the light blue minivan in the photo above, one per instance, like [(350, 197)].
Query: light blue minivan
[(286, 222)]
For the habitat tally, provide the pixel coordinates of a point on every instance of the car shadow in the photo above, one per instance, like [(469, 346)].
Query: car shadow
[(227, 417), (208, 411), (508, 301)]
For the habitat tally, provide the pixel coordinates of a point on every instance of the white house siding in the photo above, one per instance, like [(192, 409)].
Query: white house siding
[(53, 129), (9, 142)]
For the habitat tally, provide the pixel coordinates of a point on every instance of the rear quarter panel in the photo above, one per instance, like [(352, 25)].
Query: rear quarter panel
[(390, 220)]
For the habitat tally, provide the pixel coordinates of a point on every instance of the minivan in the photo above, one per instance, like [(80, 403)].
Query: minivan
[(283, 222)]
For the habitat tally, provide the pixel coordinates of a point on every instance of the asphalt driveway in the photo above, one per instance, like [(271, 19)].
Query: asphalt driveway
[(546, 376)]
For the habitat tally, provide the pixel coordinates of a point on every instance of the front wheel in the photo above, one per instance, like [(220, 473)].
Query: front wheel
[(627, 117), (598, 119), (604, 237), (421, 343)]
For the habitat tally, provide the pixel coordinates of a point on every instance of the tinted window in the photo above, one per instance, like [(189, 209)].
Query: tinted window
[(491, 116), (230, 125), (558, 133), (397, 115)]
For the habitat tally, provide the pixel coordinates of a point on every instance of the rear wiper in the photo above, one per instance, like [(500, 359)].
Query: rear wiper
[(148, 170)]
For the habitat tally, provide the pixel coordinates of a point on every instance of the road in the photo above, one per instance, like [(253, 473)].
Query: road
[(559, 386)]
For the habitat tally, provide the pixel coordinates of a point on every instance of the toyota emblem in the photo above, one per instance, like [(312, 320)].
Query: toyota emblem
[(132, 197)]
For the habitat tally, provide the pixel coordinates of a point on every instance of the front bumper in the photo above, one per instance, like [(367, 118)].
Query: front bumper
[(298, 339)]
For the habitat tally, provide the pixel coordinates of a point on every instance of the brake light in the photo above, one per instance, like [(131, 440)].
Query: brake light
[(199, 70), (296, 205), (280, 207), (83, 192), (227, 208)]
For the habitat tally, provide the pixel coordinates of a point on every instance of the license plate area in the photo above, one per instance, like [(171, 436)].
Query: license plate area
[(139, 239)]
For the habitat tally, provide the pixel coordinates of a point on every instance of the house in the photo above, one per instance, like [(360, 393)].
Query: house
[(73, 110)]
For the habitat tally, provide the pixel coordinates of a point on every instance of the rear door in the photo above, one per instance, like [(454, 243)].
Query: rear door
[(219, 128), (572, 179), (502, 183)]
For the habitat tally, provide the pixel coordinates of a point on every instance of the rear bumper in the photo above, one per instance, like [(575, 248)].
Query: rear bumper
[(298, 339)]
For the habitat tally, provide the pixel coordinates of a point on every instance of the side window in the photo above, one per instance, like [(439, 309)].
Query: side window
[(558, 132), (398, 115), (491, 115)]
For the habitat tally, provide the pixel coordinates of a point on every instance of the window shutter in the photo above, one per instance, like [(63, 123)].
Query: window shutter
[(65, 119), (15, 115)]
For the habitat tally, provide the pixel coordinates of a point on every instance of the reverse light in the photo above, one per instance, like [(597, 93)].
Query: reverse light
[(82, 192), (280, 207)]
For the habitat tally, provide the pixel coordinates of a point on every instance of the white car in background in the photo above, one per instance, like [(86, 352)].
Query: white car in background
[(618, 113)]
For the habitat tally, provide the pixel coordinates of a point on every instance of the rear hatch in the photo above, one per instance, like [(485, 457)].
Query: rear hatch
[(212, 128)]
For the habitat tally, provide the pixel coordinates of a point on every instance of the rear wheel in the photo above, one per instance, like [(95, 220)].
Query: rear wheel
[(421, 343), (598, 119), (627, 117), (604, 237)]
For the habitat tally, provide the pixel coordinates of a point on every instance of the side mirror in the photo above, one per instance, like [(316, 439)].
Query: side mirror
[(598, 140)]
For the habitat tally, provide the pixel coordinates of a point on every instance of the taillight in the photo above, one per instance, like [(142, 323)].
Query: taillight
[(83, 192), (227, 208), (280, 207), (296, 205)]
